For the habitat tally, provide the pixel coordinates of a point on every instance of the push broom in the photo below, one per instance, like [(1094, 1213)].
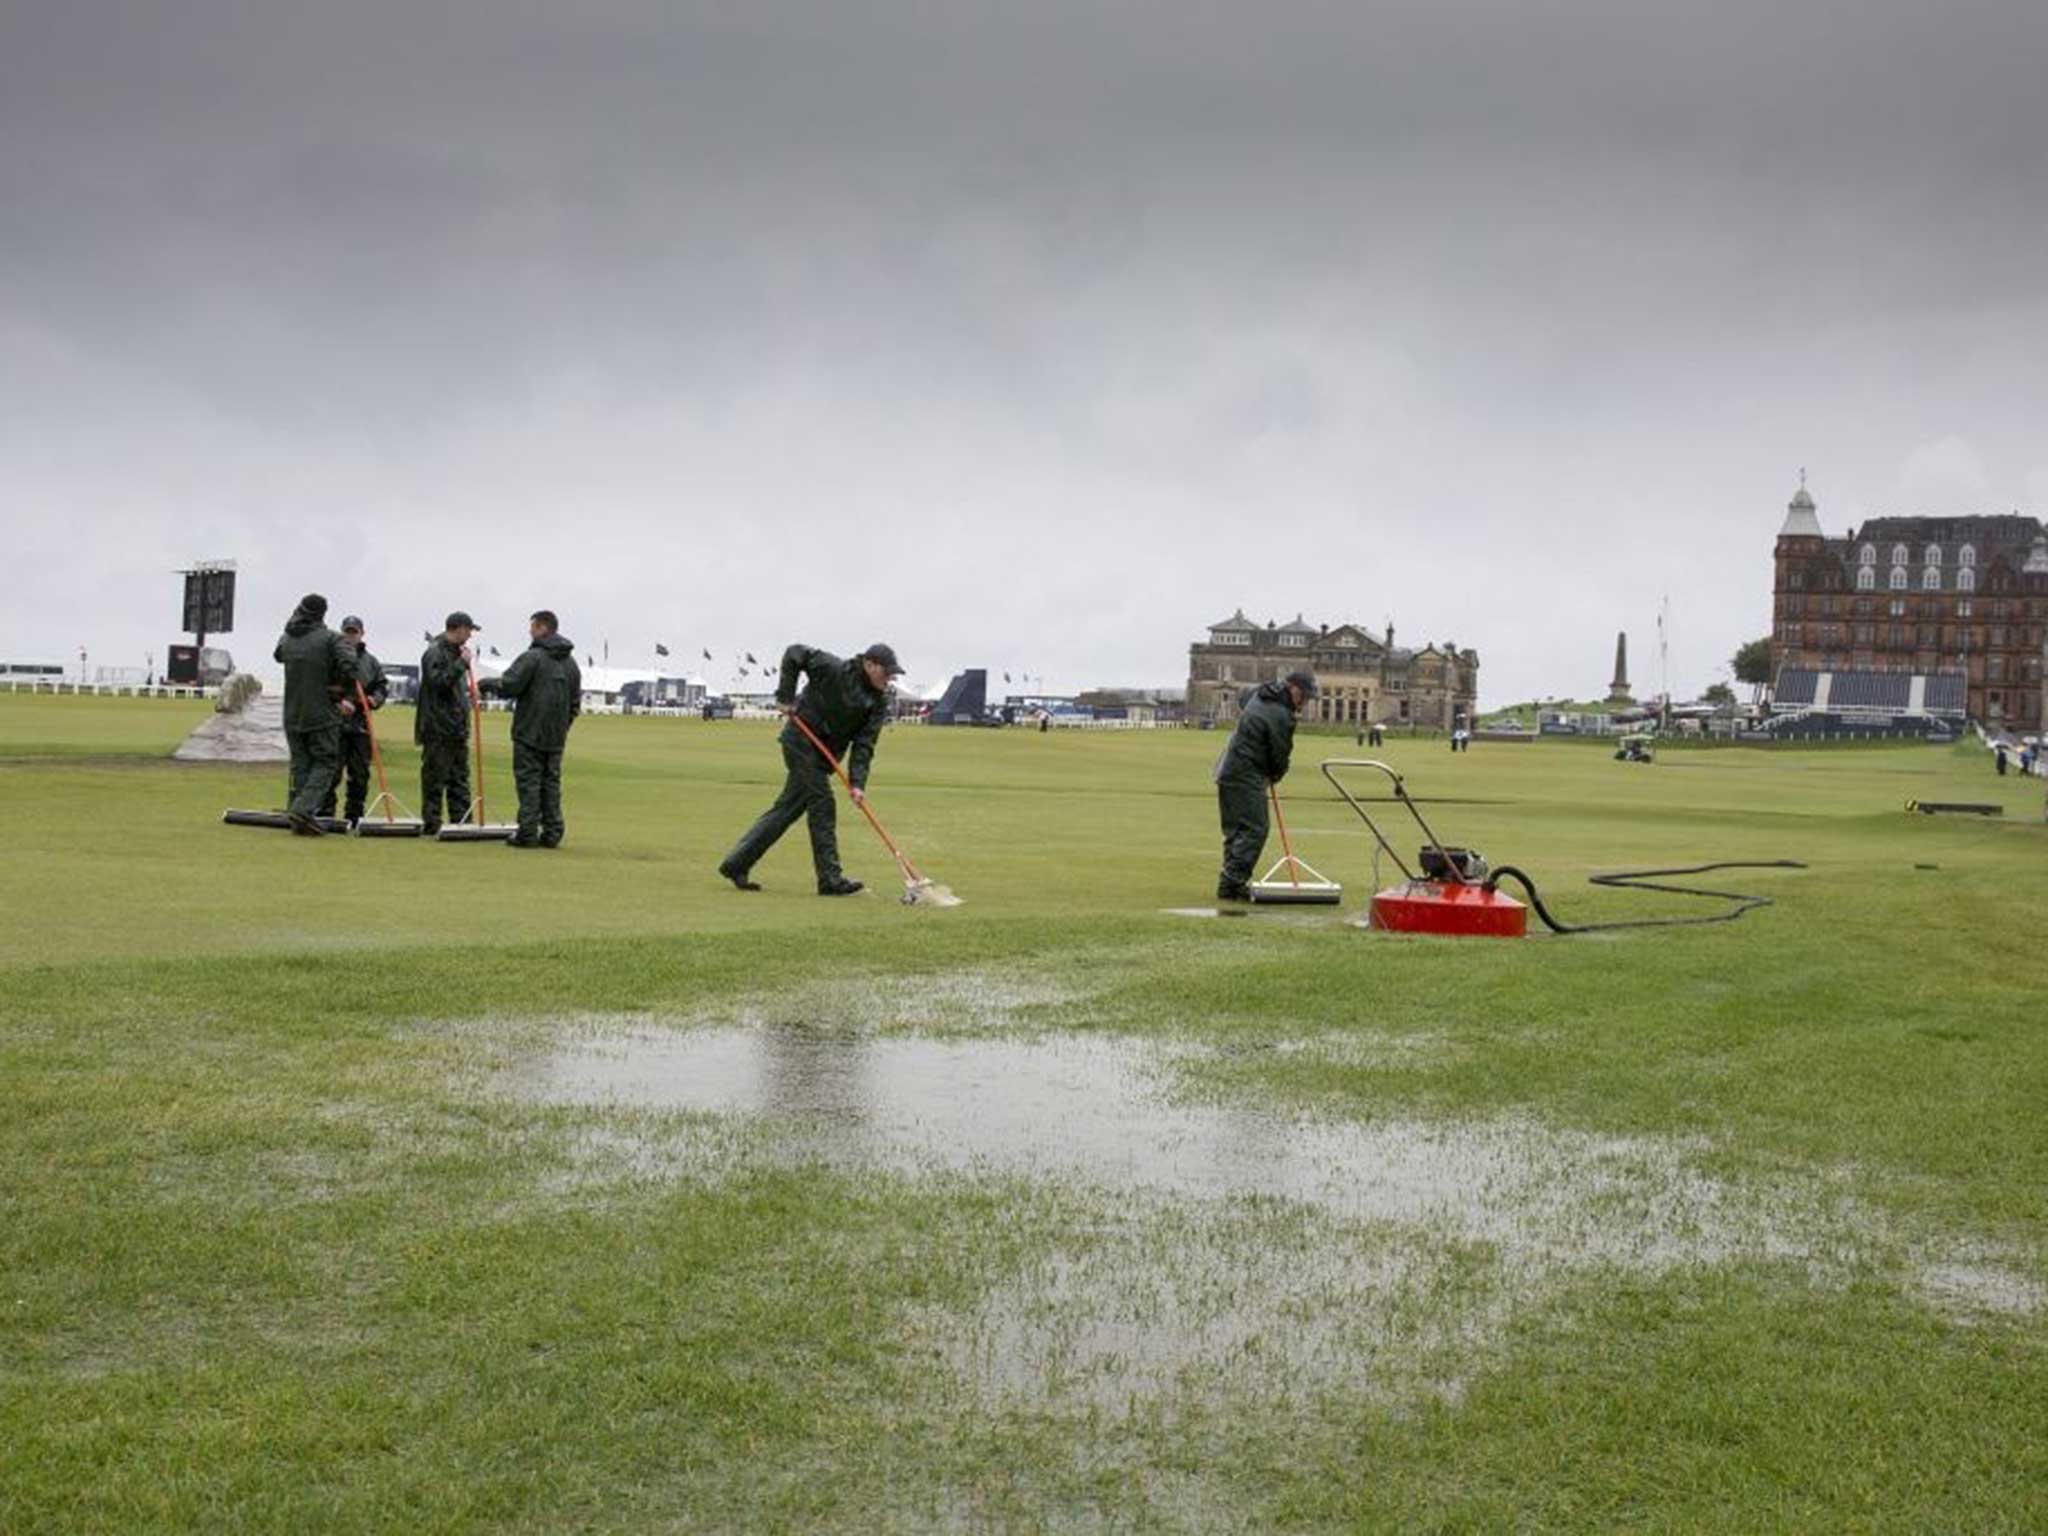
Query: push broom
[(476, 830), (917, 890), (1315, 891), (393, 824)]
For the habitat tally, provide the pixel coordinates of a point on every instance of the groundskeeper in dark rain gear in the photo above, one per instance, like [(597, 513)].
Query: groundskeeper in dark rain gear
[(1256, 757), (318, 664), (547, 687), (355, 727), (846, 707), (440, 724)]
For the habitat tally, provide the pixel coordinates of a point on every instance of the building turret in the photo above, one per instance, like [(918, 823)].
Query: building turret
[(1802, 521)]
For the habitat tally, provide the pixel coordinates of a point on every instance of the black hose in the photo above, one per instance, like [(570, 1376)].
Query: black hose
[(1646, 880)]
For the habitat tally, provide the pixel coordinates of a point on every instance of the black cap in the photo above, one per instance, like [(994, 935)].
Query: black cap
[(352, 622), (460, 620), (883, 656), (314, 604), (1305, 682)]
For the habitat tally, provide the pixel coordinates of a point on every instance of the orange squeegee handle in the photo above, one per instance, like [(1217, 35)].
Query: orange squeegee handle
[(376, 752), (476, 710), (1293, 868)]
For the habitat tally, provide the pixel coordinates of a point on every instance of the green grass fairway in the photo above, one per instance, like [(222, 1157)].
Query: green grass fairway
[(352, 1186)]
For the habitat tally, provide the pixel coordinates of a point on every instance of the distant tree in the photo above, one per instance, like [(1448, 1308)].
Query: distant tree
[(1753, 662), (1718, 693)]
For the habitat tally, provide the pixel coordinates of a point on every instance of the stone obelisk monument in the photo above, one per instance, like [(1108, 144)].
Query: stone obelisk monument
[(1617, 691)]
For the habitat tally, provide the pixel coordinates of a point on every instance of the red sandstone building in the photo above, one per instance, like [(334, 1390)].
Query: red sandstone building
[(1938, 597)]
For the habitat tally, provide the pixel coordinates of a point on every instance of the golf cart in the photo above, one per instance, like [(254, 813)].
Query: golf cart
[(1635, 749)]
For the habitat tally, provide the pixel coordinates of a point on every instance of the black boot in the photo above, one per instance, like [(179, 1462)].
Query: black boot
[(738, 876), (1228, 889), (839, 885)]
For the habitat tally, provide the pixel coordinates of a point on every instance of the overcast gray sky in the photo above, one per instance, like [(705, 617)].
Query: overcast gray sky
[(1035, 336)]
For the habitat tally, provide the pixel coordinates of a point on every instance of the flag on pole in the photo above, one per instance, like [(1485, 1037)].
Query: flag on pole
[(707, 655), (750, 657), (607, 652), (660, 649)]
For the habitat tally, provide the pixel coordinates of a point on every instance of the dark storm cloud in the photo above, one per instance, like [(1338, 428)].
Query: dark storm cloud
[(1036, 310)]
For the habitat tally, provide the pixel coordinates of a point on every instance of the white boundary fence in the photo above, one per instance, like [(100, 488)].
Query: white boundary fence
[(110, 690)]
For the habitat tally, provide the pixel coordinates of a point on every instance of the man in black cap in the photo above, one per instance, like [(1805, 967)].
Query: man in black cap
[(317, 665), (355, 728), (546, 687), (1257, 757), (440, 723), (844, 704)]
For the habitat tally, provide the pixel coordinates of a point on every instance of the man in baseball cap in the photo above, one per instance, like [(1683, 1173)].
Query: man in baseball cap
[(440, 723), (1257, 757), (355, 730), (844, 705)]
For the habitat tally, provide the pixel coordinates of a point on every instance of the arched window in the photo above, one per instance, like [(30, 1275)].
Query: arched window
[(1930, 579), (1934, 554), (1868, 555), (1966, 579), (1866, 578), (1899, 554), (1898, 578), (1967, 555)]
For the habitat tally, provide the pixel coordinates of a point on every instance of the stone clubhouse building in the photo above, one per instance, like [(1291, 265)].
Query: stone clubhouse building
[(1361, 678)]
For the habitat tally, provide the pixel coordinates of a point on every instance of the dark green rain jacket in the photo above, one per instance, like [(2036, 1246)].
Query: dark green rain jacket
[(837, 703), (442, 712), (547, 687), (370, 673), (318, 664), (1263, 742)]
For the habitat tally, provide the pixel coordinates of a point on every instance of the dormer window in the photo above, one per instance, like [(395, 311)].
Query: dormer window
[(1229, 637), (1867, 555), (1899, 554), (1899, 576), (1866, 575), (1967, 555), (1966, 578), (1930, 579), (1295, 641), (1934, 554)]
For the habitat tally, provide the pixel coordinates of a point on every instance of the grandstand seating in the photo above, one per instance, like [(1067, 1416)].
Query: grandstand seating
[(1870, 696)]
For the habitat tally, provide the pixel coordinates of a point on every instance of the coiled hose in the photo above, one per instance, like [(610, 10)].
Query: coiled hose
[(1647, 880)]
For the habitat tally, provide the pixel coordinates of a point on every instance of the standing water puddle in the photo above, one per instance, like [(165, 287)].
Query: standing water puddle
[(1102, 1113), (1262, 1249)]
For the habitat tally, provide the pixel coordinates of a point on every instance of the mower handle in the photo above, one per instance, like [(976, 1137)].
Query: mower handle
[(1401, 794)]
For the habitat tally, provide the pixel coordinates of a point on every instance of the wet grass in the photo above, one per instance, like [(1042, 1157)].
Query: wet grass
[(289, 1241)]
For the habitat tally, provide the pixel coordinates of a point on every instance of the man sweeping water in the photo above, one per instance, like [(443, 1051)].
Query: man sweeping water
[(1257, 756), (844, 704)]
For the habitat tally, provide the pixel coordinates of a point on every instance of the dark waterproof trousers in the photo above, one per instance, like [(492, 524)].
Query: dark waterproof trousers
[(316, 758), (444, 771), (806, 793), (538, 774), (355, 767), (1241, 805)]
